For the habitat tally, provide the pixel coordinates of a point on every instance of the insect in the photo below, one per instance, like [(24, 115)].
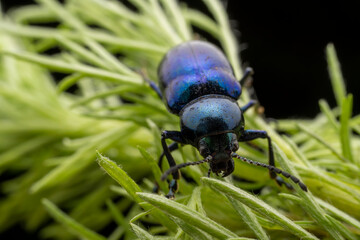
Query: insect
[(197, 83)]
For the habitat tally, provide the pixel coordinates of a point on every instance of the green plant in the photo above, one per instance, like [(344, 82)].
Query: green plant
[(50, 136)]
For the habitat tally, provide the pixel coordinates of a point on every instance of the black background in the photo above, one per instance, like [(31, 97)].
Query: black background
[(285, 44)]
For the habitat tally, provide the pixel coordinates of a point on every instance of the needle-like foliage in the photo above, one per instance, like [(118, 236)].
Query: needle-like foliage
[(71, 93)]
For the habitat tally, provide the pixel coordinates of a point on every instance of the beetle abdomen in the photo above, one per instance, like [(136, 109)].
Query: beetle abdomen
[(195, 69)]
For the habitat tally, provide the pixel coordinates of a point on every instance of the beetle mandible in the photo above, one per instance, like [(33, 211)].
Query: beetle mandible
[(197, 83)]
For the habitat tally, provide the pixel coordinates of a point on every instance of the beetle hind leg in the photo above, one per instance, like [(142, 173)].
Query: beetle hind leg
[(248, 135)]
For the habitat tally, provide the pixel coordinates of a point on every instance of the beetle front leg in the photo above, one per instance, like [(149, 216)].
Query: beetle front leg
[(249, 135), (177, 137), (172, 147)]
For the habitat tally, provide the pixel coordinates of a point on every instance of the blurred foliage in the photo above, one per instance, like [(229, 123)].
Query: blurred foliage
[(51, 132)]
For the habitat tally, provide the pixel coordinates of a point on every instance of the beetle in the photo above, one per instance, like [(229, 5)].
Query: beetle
[(197, 83)]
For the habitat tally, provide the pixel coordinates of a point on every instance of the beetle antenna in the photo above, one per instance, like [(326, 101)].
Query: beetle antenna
[(182, 165), (272, 169)]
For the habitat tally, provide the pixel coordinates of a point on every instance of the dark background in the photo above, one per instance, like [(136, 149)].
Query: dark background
[(285, 44)]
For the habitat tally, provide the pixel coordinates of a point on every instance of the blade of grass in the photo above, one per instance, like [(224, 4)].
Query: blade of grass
[(64, 67), (141, 233), (322, 141), (119, 176), (308, 201), (190, 216), (339, 214), (342, 229), (163, 22), (69, 81), (249, 218), (345, 131), (178, 19), (80, 230), (131, 187), (202, 21), (329, 208), (191, 230), (82, 52), (82, 157), (155, 169), (12, 154), (336, 77), (324, 107), (259, 206), (102, 37)]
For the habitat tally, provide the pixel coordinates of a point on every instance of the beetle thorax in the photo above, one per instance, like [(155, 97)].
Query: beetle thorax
[(210, 115)]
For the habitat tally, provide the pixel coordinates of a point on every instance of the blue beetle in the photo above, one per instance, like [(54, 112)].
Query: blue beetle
[(197, 83)]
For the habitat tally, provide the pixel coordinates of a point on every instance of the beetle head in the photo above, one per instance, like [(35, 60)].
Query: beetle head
[(219, 147)]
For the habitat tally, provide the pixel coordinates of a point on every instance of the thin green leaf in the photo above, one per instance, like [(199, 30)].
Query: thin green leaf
[(119, 176), (191, 217), (322, 141), (80, 230), (178, 19), (249, 218), (324, 107), (308, 203), (141, 233), (336, 77), (82, 52), (339, 214), (259, 206), (163, 23), (241, 238), (154, 168), (64, 67), (345, 131), (341, 228), (202, 21), (118, 217), (105, 38), (191, 230), (82, 158), (131, 187), (69, 81), (12, 154)]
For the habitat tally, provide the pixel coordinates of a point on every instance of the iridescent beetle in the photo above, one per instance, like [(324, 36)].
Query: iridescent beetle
[(197, 83)]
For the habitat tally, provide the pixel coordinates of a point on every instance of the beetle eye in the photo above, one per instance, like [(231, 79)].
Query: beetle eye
[(204, 147), (204, 150), (234, 146)]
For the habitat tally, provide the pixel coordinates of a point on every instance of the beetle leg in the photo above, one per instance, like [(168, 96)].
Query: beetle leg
[(177, 137), (247, 74), (249, 135), (248, 105), (172, 147)]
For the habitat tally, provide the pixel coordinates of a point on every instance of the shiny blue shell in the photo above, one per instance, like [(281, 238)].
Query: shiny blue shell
[(210, 114), (193, 69)]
